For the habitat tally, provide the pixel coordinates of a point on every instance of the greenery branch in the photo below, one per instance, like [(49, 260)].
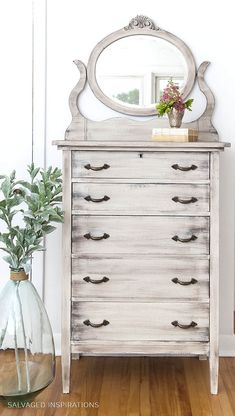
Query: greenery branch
[(28, 210)]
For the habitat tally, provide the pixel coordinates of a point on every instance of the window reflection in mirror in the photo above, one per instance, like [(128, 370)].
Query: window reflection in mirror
[(134, 70)]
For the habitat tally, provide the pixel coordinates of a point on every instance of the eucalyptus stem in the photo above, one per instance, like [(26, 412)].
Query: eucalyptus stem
[(24, 337)]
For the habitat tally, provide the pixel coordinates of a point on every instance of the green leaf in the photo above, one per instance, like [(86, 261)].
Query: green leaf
[(28, 214), (6, 187), (48, 229), (12, 175), (34, 173), (9, 260), (25, 184)]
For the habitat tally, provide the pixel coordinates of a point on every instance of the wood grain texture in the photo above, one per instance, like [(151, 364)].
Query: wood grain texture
[(140, 165), (214, 273), (139, 348), (145, 386), (147, 145), (140, 235), (139, 197), (140, 278), (66, 275), (140, 321)]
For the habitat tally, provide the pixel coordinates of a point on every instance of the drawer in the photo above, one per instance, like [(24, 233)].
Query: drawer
[(182, 166), (140, 321), (140, 235), (140, 277), (139, 198)]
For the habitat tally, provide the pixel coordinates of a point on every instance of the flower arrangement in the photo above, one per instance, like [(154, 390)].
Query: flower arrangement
[(172, 98), (28, 209)]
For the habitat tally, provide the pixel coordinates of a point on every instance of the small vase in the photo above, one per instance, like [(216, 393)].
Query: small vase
[(27, 355), (175, 117)]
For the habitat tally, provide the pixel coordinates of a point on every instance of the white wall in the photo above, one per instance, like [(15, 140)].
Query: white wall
[(73, 29), (15, 94)]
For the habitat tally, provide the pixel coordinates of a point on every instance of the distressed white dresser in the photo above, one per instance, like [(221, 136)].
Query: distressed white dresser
[(141, 231)]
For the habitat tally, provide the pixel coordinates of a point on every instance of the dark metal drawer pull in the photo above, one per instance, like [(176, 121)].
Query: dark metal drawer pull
[(102, 237), (184, 168), (87, 322), (191, 325), (184, 240), (89, 280), (89, 198), (184, 201), (96, 168), (181, 282)]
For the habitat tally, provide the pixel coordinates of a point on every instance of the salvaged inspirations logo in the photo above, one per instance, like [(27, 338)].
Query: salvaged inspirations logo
[(56, 405)]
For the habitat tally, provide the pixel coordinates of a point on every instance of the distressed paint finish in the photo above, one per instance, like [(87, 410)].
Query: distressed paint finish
[(142, 278), (131, 165), (214, 273), (140, 259), (140, 235), (132, 348), (136, 198), (140, 321), (66, 275), (137, 262), (122, 128)]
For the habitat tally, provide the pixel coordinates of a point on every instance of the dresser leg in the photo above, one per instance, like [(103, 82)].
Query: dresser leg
[(66, 364), (214, 373)]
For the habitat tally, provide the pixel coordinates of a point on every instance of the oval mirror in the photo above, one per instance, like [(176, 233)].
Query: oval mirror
[(133, 71), (128, 70)]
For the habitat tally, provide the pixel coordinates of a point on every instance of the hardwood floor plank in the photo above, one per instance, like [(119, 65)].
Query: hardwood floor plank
[(198, 390), (137, 386)]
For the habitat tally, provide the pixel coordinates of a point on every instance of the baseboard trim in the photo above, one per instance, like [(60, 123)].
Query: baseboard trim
[(227, 345)]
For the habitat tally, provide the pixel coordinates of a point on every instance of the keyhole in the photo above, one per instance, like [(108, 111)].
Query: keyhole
[(141, 155)]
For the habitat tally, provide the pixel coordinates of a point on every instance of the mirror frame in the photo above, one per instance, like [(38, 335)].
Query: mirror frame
[(140, 25)]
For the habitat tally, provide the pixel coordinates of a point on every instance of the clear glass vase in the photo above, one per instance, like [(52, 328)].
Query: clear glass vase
[(27, 354)]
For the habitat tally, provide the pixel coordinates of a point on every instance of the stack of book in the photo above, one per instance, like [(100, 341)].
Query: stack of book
[(174, 135)]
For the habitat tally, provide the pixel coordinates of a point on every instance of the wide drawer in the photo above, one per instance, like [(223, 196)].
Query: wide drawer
[(97, 278), (140, 321), (140, 235), (139, 198), (182, 166)]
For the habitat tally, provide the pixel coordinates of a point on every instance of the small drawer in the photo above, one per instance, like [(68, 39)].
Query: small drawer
[(181, 166), (139, 198), (140, 321), (97, 278), (140, 235)]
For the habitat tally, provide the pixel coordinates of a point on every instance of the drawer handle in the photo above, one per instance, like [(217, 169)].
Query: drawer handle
[(91, 237), (96, 168), (89, 198), (191, 325), (183, 283), (87, 322), (184, 168), (184, 240), (89, 280), (184, 201)]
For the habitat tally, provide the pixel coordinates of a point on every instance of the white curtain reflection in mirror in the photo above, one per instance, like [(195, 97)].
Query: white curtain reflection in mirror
[(134, 70)]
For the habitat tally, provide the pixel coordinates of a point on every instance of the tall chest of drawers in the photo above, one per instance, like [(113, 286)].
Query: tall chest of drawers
[(140, 250)]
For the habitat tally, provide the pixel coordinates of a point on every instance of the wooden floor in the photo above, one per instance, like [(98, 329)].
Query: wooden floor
[(137, 387)]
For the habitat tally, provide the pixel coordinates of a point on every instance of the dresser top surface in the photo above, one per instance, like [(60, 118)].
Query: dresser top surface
[(147, 145)]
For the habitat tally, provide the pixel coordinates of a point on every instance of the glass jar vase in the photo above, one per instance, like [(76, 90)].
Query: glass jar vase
[(27, 354)]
